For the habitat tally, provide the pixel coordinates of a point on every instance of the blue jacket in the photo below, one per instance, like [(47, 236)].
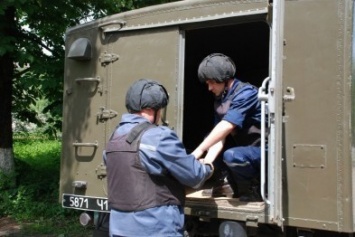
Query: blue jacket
[(240, 106), (160, 151)]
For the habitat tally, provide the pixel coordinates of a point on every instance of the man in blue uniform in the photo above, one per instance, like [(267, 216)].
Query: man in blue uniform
[(238, 113), (148, 168)]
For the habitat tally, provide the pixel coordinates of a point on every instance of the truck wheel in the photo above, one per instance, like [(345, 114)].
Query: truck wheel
[(232, 229)]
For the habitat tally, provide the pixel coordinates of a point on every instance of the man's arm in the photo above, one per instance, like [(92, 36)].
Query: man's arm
[(213, 152), (218, 134), (161, 152)]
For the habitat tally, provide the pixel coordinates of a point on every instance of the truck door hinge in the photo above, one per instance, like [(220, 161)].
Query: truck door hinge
[(105, 114), (107, 58)]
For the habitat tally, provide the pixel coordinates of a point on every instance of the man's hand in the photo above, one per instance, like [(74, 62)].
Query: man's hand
[(197, 153)]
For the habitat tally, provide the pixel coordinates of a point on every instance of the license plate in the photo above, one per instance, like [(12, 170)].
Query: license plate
[(85, 202)]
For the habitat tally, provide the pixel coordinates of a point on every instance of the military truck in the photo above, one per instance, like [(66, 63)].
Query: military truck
[(297, 52)]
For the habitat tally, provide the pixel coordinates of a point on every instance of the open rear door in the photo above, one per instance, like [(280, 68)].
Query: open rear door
[(272, 98), (275, 110)]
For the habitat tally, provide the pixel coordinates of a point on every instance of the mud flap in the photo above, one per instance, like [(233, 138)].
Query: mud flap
[(102, 225)]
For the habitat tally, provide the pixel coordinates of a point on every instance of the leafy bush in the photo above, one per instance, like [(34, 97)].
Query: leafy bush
[(35, 197)]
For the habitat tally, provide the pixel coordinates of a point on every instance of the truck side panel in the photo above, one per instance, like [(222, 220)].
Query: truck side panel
[(317, 188)]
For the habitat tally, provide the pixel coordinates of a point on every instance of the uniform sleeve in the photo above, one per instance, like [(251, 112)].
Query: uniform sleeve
[(241, 106), (163, 153)]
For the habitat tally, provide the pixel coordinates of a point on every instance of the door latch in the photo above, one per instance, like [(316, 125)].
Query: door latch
[(290, 94), (101, 171), (107, 58)]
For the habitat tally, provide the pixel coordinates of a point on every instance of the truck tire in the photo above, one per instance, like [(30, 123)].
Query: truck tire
[(232, 229)]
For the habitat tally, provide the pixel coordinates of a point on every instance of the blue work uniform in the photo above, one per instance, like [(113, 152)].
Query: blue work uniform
[(160, 151), (241, 107)]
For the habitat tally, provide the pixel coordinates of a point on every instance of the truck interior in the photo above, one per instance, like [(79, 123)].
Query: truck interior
[(247, 43)]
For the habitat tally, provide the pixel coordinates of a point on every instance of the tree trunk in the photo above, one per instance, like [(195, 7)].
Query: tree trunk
[(6, 77)]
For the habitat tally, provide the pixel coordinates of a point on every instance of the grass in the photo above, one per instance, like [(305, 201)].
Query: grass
[(34, 199)]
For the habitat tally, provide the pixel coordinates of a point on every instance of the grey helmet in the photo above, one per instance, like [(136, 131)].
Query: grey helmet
[(146, 93), (217, 67)]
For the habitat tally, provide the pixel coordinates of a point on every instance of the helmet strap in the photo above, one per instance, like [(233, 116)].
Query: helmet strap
[(225, 87), (155, 117)]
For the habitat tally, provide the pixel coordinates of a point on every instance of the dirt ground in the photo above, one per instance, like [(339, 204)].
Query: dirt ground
[(9, 227)]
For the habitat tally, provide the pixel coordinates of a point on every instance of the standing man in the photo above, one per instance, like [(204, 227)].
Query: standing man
[(148, 168), (238, 113)]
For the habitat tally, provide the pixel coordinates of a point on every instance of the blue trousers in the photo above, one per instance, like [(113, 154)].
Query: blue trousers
[(243, 162)]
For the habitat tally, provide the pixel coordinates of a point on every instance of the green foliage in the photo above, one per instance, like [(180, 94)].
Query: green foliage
[(35, 197), (7, 180), (45, 122)]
